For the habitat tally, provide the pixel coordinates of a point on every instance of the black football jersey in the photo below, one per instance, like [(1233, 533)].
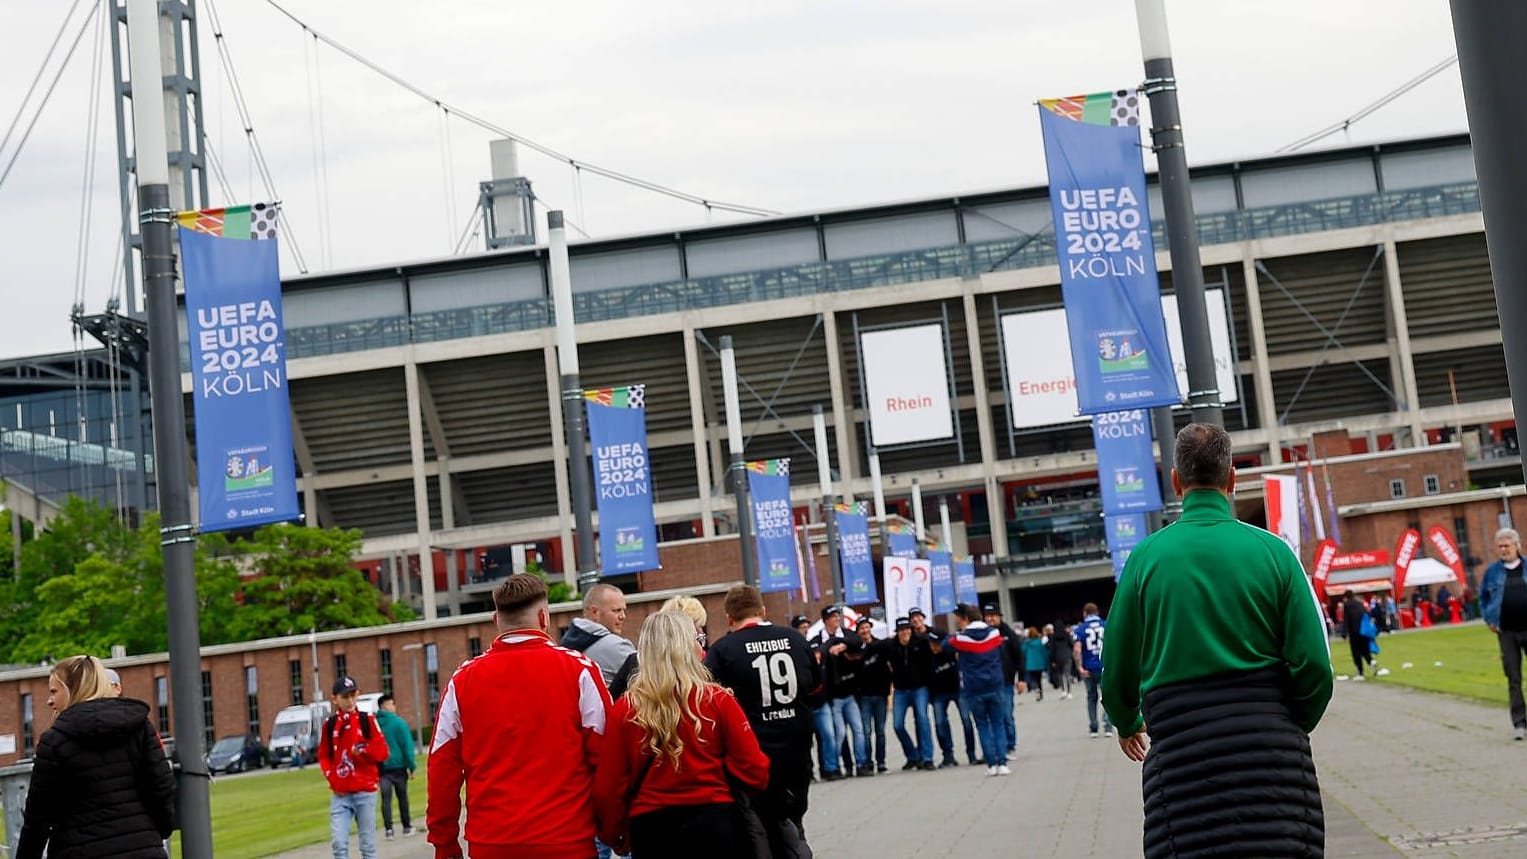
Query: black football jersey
[(771, 670)]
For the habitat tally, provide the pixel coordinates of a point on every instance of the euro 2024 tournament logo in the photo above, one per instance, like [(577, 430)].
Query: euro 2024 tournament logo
[(248, 468), (1128, 479), (628, 540), (1121, 352), (1124, 529)]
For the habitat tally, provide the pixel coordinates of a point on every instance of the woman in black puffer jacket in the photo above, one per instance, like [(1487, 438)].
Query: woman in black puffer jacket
[(101, 786)]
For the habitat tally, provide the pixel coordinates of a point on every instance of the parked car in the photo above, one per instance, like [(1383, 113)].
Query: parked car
[(368, 702), (296, 727), (236, 754)]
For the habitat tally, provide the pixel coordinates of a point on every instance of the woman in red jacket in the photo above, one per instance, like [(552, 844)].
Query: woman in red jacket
[(661, 789)]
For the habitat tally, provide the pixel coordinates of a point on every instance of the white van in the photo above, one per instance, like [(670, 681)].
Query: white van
[(301, 724), (368, 703)]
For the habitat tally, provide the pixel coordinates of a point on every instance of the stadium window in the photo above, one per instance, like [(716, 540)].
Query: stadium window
[(209, 732), (432, 675), (162, 704), (386, 654), (1397, 488), (295, 667), (28, 735), (474, 644), (252, 698), (1432, 484), (341, 667)]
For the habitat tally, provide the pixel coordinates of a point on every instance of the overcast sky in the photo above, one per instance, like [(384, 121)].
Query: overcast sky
[(791, 106)]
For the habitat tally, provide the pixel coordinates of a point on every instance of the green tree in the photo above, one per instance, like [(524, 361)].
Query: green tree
[(302, 578)]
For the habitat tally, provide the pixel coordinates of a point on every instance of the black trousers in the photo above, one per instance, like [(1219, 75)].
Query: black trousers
[(395, 780), (1512, 643), (1361, 652), (684, 832)]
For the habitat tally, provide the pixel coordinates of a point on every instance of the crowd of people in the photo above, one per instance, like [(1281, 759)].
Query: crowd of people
[(677, 746)]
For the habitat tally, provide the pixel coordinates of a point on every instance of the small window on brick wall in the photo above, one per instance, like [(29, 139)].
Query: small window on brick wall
[(1397, 488), (1432, 484)]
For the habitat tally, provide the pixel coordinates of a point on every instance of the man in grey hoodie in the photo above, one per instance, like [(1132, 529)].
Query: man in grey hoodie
[(597, 635)]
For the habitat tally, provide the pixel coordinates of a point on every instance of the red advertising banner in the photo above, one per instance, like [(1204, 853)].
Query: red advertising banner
[(1352, 560), (1404, 553), (1442, 541), (1325, 554)]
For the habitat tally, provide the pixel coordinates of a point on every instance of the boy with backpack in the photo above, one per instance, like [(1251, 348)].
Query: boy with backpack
[(351, 750)]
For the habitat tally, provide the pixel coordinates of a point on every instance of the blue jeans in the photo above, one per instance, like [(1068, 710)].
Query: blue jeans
[(941, 703), (830, 743), (1093, 679), (917, 701), (362, 808), (986, 709), (1007, 715), (846, 724), (872, 710)]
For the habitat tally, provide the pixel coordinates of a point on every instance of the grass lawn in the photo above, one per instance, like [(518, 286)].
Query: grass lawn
[(1468, 655), (270, 813)]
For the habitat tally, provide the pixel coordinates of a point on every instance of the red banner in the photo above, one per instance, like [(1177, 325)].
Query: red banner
[(1352, 560), (1325, 554), (1404, 553), (1442, 541)]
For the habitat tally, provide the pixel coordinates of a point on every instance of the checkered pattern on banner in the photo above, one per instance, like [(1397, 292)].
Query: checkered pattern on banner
[(636, 397), (776, 467), (1126, 108), (262, 220)]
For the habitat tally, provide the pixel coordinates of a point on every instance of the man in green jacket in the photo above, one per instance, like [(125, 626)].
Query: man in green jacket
[(1215, 641), (399, 766)]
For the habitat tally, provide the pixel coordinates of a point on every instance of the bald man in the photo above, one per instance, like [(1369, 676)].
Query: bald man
[(597, 635)]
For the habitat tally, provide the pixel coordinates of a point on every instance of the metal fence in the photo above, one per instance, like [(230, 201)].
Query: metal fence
[(963, 261)]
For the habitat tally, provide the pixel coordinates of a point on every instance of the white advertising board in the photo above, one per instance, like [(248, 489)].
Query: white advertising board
[(906, 382), (1040, 379)]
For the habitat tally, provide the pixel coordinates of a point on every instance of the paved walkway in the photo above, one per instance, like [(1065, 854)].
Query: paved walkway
[(1404, 774)]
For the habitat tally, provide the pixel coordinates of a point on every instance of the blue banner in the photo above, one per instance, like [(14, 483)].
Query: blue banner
[(942, 567), (854, 554), (617, 420), (244, 464), (1107, 258), (900, 545), (774, 525), (1126, 462), (965, 580), (1124, 533)]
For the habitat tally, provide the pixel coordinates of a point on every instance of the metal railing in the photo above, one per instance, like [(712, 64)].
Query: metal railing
[(968, 260)]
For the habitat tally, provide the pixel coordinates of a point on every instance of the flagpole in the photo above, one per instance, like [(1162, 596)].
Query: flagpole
[(829, 503), (177, 534), (572, 403), (737, 468), (1181, 228)]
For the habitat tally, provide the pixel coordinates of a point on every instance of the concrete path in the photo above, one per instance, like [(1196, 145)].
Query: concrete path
[(1404, 774)]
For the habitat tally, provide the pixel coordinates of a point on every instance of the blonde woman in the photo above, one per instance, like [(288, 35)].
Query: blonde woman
[(695, 611), (662, 789), (100, 785)]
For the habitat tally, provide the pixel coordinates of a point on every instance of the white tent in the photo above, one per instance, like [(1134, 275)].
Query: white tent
[(1427, 571)]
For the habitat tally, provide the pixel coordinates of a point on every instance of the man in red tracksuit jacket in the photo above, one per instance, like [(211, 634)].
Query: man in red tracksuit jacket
[(350, 753), (520, 726)]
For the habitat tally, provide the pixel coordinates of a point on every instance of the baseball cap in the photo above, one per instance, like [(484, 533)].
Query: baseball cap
[(799, 619), (903, 623), (991, 608), (831, 610), (345, 685), (915, 610), (113, 678)]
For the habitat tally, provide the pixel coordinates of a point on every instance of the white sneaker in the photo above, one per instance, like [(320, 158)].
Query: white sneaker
[(1108, 732), (1359, 679), (991, 770), (1094, 735), (1003, 770)]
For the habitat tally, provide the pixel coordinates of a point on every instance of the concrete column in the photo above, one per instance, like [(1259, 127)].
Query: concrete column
[(421, 485), (397, 579), (844, 437), (448, 521), (310, 504), (713, 423), (1267, 404), (994, 504), (1400, 329), (697, 429), (559, 456)]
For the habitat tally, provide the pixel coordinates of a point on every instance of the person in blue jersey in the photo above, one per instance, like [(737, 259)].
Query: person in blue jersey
[(1089, 657)]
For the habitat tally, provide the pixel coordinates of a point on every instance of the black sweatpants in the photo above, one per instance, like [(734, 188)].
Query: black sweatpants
[(395, 781), (1361, 652), (1512, 643)]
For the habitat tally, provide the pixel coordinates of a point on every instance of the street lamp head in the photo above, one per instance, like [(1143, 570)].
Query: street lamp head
[(1155, 44)]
